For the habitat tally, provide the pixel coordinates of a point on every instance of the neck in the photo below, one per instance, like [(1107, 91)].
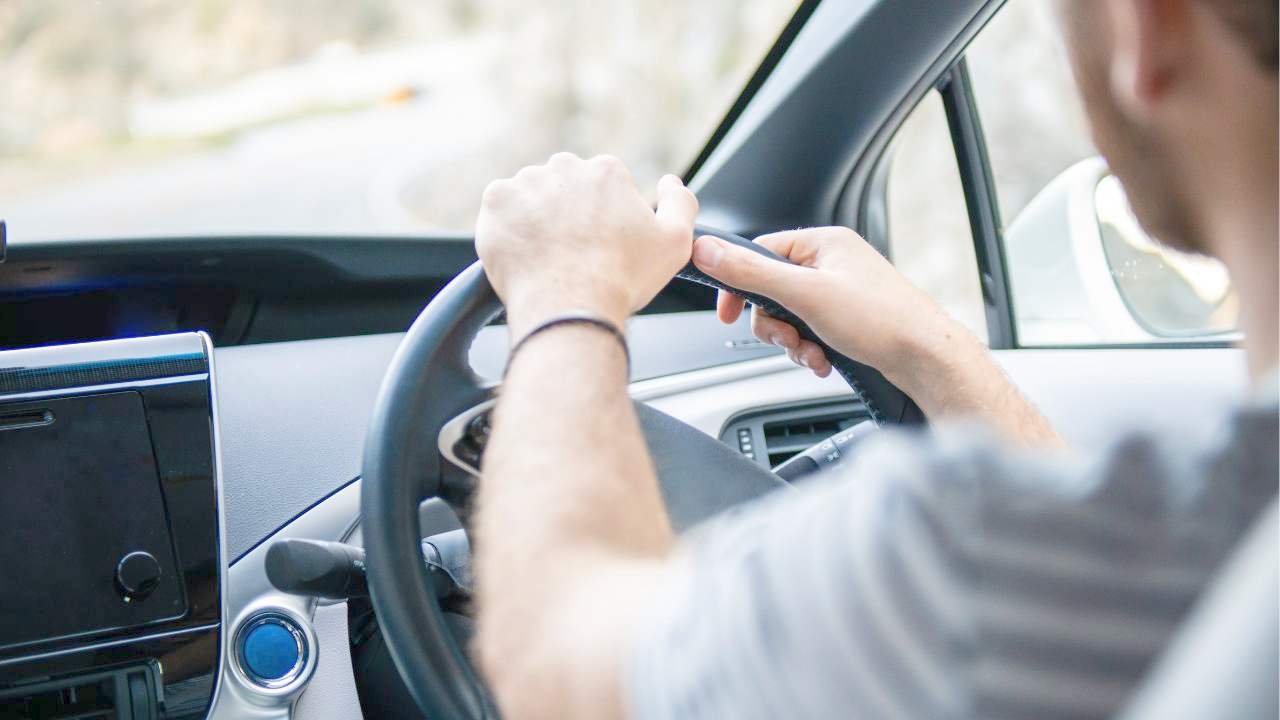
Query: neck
[(1247, 240), (1235, 181), (1254, 276)]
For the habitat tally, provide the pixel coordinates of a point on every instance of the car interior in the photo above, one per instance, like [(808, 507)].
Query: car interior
[(236, 466)]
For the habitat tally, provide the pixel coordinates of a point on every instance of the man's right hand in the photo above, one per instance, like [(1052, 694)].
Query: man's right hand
[(861, 306), (848, 293)]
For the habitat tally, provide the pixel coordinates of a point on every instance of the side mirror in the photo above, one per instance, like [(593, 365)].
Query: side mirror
[(1083, 272)]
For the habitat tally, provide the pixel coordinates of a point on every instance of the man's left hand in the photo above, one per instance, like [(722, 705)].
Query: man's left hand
[(577, 234)]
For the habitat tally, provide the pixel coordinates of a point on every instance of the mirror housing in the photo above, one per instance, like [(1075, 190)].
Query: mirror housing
[(1083, 272)]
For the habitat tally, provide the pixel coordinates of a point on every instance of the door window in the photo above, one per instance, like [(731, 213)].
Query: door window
[(930, 240)]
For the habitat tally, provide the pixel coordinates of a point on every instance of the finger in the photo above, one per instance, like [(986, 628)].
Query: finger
[(610, 166), (809, 355), (774, 331), (729, 307), (743, 269), (563, 158), (814, 358), (496, 193), (530, 173), (677, 206)]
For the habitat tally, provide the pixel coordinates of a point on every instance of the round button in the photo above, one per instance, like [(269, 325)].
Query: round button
[(137, 574), (272, 650)]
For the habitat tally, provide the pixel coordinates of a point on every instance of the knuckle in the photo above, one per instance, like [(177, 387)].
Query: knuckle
[(678, 230), (609, 163), (844, 234), (562, 157), (494, 192)]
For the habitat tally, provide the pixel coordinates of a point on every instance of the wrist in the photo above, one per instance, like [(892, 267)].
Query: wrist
[(933, 357), (527, 310)]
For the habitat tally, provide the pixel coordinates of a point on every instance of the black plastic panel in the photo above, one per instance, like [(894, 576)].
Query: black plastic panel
[(77, 495), (240, 290), (127, 466)]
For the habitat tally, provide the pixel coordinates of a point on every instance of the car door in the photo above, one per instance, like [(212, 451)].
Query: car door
[(950, 136)]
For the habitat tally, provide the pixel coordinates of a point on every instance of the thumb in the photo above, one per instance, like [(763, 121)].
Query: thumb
[(745, 270)]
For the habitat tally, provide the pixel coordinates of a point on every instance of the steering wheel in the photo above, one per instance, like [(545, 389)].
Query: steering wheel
[(431, 383)]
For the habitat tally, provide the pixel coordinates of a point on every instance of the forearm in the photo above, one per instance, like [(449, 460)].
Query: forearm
[(570, 514), (950, 374)]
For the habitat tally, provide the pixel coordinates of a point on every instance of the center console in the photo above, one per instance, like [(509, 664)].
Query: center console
[(111, 579)]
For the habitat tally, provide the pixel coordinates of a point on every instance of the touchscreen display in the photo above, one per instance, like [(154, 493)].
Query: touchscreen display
[(79, 494)]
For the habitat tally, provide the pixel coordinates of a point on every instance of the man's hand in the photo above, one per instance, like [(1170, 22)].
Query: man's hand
[(577, 234), (846, 291), (860, 305)]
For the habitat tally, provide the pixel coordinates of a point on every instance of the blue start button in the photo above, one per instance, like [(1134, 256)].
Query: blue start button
[(272, 650)]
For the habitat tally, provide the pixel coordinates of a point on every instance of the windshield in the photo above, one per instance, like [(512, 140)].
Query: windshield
[(208, 117)]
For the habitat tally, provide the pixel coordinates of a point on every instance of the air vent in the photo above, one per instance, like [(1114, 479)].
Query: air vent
[(772, 436)]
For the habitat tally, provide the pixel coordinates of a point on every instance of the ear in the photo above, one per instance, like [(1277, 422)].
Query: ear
[(1149, 45)]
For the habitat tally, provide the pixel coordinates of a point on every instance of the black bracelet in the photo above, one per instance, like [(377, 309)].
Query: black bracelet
[(571, 318)]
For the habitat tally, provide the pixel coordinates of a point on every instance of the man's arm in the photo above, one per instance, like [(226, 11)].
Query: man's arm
[(572, 530), (856, 301), (572, 538)]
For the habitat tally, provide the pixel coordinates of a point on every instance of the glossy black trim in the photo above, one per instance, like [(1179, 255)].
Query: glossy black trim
[(186, 661), (106, 372)]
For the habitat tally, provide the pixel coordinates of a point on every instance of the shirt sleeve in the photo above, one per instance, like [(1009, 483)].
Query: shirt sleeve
[(942, 576), (848, 594)]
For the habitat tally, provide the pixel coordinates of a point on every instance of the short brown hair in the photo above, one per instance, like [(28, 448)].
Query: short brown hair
[(1257, 23)]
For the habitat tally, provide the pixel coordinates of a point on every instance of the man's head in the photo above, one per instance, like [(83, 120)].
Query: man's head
[(1181, 95)]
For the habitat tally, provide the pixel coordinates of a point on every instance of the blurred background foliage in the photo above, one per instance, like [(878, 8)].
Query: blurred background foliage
[(91, 89)]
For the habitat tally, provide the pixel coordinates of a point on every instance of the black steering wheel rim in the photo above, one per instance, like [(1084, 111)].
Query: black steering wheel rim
[(401, 467), (429, 382)]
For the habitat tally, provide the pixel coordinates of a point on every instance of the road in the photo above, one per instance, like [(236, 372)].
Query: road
[(339, 173)]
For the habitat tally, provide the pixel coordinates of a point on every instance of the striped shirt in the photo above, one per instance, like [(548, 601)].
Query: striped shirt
[(941, 576)]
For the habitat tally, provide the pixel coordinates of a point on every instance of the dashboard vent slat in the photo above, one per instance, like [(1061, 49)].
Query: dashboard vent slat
[(771, 436)]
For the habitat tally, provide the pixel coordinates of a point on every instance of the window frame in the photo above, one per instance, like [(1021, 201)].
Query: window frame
[(969, 145)]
